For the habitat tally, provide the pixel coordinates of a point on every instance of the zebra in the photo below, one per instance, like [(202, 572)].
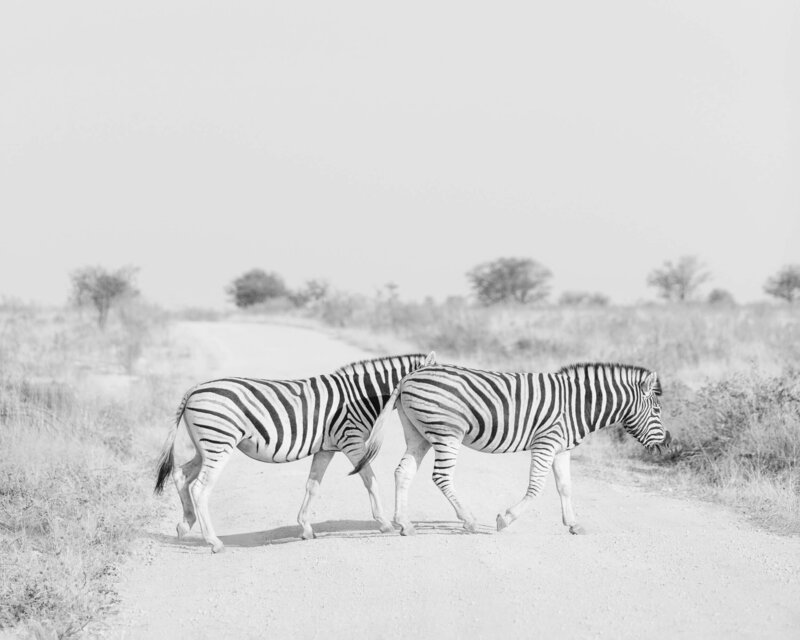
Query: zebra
[(548, 414), (280, 421)]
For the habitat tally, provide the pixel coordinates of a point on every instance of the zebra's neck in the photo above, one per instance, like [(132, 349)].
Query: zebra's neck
[(598, 396), (389, 365), (371, 382)]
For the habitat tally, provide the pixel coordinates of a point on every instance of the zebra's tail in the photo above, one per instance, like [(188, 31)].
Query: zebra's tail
[(373, 443), (167, 459)]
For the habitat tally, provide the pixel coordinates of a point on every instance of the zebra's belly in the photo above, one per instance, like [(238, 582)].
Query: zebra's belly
[(256, 449), (495, 439), (499, 447)]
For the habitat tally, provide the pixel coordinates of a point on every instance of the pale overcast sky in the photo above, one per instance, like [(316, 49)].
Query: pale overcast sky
[(363, 142)]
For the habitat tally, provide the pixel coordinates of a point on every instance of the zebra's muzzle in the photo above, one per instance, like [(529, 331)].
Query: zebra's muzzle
[(661, 446)]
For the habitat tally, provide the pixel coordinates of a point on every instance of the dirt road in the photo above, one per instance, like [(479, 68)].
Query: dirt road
[(648, 566)]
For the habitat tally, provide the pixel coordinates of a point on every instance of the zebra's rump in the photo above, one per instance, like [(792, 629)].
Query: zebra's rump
[(270, 421)]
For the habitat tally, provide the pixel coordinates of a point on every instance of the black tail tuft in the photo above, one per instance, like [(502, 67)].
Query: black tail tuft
[(371, 452), (164, 470)]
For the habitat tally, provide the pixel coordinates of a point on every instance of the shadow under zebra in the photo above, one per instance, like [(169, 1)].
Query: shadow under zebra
[(337, 529)]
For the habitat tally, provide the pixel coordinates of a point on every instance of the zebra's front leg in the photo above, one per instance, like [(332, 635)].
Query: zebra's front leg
[(541, 459), (446, 451), (564, 486), (371, 484), (319, 464)]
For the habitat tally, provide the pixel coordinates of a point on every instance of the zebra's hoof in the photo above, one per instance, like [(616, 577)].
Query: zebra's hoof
[(385, 527), (217, 547), (308, 535), (182, 530), (577, 530), (502, 523), (470, 527), (407, 530)]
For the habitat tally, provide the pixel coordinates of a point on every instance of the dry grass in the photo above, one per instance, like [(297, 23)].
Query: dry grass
[(730, 378), (79, 421)]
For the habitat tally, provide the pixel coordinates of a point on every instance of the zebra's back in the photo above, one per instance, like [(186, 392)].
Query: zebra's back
[(494, 412)]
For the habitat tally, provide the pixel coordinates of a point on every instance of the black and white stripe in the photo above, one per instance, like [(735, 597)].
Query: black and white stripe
[(281, 421), (549, 414)]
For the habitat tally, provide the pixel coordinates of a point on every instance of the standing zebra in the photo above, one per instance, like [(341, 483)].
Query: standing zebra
[(546, 413), (281, 421)]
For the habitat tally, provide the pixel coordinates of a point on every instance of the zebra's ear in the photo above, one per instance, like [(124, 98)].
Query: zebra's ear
[(651, 385), (431, 359)]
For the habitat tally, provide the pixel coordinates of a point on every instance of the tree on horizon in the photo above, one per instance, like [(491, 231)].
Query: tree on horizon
[(102, 288), (520, 280), (680, 281)]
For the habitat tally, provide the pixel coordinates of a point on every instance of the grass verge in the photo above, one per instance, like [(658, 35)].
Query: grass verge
[(78, 426)]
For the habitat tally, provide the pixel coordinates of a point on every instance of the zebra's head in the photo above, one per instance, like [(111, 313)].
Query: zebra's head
[(644, 420)]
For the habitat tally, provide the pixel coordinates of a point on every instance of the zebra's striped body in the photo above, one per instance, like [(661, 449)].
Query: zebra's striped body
[(281, 421), (548, 414)]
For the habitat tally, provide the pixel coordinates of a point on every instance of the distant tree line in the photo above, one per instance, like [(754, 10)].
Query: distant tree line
[(522, 281), (680, 281), (518, 281)]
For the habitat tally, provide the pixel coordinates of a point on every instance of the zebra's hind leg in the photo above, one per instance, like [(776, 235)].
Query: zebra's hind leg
[(319, 465), (446, 450), (541, 459), (371, 484), (200, 490), (416, 448), (564, 486), (183, 476)]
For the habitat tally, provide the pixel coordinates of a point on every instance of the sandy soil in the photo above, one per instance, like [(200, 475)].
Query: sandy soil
[(649, 564)]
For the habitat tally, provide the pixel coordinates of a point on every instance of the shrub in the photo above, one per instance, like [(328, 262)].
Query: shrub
[(721, 297), (313, 292), (748, 420), (580, 298), (256, 286), (785, 284)]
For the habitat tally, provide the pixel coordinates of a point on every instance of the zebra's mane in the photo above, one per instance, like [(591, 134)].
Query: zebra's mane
[(361, 365), (579, 367)]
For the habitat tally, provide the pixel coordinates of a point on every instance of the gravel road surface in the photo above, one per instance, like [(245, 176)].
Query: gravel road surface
[(649, 566)]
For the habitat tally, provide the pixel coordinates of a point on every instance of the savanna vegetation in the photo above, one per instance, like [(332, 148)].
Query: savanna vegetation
[(83, 408)]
